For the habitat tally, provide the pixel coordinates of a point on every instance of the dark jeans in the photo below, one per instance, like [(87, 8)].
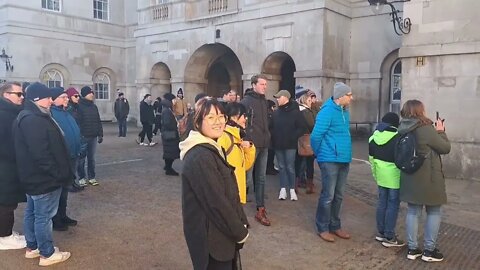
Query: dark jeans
[(387, 211), (146, 129), (168, 164), (122, 127), (334, 178), (158, 123), (62, 206), (270, 160), (91, 146), (260, 169), (7, 218), (304, 165)]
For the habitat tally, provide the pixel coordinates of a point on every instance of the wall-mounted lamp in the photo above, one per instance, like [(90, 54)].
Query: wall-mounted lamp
[(6, 58), (401, 26)]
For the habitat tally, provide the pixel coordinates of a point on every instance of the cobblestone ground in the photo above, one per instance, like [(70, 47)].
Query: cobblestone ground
[(132, 220)]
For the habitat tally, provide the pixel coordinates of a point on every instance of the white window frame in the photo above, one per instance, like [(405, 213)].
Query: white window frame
[(105, 12), (53, 78), (395, 85), (102, 80), (45, 5)]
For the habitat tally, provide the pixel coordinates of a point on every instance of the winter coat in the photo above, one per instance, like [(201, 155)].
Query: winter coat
[(330, 138), (89, 119), (257, 126), (381, 154), (169, 123), (157, 107), (121, 108), (213, 218), (426, 186), (72, 108), (43, 160), (146, 113), (11, 191), (70, 129), (180, 107), (288, 126), (309, 116), (242, 159)]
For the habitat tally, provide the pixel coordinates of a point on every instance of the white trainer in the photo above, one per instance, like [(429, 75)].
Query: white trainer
[(57, 257), (82, 182), (283, 194), (293, 195), (152, 143), (32, 254), (13, 241)]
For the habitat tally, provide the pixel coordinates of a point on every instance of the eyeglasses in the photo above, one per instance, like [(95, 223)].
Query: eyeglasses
[(19, 94), (210, 119)]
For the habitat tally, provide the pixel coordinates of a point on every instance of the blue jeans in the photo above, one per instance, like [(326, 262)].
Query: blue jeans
[(39, 212), (286, 167), (432, 225), (91, 146), (334, 178), (122, 127), (260, 168), (387, 211)]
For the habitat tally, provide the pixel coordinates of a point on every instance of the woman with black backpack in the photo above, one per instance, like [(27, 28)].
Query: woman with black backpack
[(425, 186)]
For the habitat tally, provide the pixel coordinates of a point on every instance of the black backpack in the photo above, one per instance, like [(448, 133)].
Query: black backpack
[(406, 156)]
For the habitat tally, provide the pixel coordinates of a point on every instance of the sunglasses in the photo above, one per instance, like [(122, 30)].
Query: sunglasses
[(19, 94), (76, 96)]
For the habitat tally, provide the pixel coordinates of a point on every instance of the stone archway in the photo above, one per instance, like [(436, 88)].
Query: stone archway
[(211, 69), (384, 94), (160, 80), (280, 68)]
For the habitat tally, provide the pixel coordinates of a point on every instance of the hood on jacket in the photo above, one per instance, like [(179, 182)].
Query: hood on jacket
[(289, 106), (196, 138), (235, 131), (382, 126), (383, 137), (408, 124)]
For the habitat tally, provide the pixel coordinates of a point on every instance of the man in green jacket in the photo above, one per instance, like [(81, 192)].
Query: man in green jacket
[(381, 155)]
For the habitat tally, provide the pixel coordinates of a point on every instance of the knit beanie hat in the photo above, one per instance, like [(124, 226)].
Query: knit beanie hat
[(169, 96), (37, 91), (86, 90), (199, 96), (299, 91), (340, 89), (56, 92), (391, 118), (180, 91), (71, 92)]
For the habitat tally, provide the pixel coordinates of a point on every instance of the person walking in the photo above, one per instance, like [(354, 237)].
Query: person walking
[(425, 188), (11, 192), (170, 136), (43, 164), (381, 151), (210, 193), (121, 110), (332, 145), (147, 118), (157, 108), (92, 133)]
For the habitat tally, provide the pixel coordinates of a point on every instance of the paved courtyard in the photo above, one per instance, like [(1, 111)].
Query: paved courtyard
[(132, 220)]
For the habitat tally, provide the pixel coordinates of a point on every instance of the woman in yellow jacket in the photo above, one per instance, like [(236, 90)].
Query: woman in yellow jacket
[(240, 153)]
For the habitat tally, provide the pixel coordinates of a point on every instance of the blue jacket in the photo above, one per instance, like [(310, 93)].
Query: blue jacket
[(330, 138), (71, 131)]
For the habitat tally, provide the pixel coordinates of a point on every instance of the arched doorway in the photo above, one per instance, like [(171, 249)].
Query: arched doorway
[(211, 69), (388, 98), (280, 67), (160, 80)]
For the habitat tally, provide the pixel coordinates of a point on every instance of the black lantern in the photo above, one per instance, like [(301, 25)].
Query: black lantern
[(401, 26), (6, 58)]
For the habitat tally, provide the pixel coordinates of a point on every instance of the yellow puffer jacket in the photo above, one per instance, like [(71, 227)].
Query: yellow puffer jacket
[(240, 158)]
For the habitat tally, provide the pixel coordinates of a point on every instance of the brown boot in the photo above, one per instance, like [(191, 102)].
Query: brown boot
[(261, 216), (310, 186)]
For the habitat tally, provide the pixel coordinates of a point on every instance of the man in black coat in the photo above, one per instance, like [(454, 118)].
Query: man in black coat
[(147, 118), (121, 109), (43, 164), (92, 133), (11, 193)]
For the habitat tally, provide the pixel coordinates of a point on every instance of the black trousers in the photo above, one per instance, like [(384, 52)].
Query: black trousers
[(158, 123), (146, 129), (218, 265), (270, 160), (7, 218), (168, 164), (62, 206)]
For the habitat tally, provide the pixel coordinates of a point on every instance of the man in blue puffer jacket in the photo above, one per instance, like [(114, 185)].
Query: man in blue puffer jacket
[(332, 145)]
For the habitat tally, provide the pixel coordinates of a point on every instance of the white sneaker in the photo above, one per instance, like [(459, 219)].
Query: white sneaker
[(57, 257), (14, 241), (32, 254), (283, 194), (82, 182), (152, 143), (293, 195), (143, 144)]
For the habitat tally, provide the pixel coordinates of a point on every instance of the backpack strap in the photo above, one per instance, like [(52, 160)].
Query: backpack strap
[(230, 148)]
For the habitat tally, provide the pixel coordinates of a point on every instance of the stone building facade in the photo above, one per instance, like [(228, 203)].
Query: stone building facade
[(158, 46)]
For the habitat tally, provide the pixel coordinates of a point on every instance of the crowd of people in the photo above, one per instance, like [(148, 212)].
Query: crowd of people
[(227, 145)]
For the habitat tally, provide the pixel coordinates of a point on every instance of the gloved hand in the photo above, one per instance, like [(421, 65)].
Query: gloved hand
[(100, 139)]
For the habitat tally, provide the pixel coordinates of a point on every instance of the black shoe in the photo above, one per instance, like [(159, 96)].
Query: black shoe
[(413, 254), (171, 172), (75, 188), (272, 172), (432, 256), (59, 226), (394, 242), (69, 222)]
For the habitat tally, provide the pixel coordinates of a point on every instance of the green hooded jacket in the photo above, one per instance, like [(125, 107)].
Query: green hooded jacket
[(381, 157)]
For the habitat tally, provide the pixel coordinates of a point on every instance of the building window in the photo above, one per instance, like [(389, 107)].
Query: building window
[(101, 86), (100, 9), (396, 86), (53, 78), (53, 5)]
